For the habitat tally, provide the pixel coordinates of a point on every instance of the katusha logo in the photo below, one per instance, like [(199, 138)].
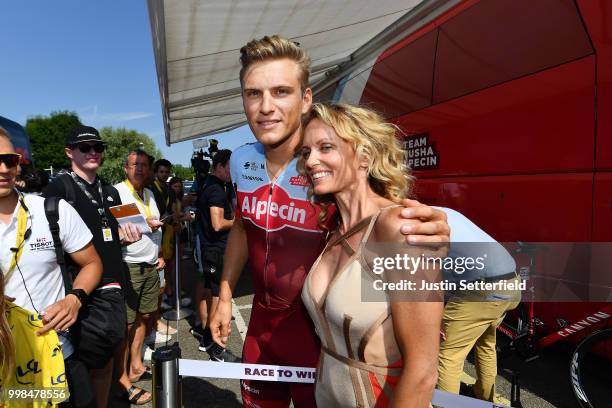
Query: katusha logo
[(299, 181), (281, 211)]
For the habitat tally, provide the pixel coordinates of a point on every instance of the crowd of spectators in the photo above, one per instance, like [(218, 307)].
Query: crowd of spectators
[(108, 283)]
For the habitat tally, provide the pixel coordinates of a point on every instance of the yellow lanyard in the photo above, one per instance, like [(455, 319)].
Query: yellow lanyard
[(22, 223), (157, 185), (147, 210)]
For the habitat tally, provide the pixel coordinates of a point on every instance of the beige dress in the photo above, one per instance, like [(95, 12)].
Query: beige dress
[(360, 362)]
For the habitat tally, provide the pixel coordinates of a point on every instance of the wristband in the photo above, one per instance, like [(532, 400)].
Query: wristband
[(80, 294)]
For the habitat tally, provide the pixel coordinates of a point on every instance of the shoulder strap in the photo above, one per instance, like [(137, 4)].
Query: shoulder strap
[(69, 187), (52, 213), (353, 230)]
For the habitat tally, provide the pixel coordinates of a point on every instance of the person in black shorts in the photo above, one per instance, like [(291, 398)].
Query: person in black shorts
[(216, 218), (102, 323)]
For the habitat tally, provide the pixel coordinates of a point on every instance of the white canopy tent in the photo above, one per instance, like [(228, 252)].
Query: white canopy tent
[(197, 43)]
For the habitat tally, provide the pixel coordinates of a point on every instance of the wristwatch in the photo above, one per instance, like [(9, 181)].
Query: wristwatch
[(80, 294)]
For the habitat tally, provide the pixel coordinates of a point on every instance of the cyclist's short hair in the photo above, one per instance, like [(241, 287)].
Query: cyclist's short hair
[(272, 48)]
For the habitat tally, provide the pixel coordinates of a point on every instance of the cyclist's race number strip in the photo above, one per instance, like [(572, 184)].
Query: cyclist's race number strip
[(262, 372)]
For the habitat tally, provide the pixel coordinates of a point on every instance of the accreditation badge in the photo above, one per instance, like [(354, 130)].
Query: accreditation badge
[(107, 234)]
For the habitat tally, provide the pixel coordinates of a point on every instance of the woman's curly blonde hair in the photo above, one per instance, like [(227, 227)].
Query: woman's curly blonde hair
[(373, 139)]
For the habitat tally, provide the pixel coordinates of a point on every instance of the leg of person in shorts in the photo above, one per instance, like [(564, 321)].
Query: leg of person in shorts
[(212, 259), (141, 301)]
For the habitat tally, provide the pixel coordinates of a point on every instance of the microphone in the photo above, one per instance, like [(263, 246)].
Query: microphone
[(23, 204)]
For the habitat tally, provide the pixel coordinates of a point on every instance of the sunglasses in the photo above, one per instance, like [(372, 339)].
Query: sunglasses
[(10, 159), (86, 147)]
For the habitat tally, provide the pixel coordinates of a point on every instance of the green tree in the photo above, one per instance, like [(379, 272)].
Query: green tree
[(119, 142), (47, 135), (186, 173)]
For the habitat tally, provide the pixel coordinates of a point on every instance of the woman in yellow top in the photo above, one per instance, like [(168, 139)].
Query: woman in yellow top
[(174, 228), (373, 353)]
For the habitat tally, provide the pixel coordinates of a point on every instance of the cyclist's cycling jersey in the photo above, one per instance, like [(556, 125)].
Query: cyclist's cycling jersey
[(281, 224), (284, 240)]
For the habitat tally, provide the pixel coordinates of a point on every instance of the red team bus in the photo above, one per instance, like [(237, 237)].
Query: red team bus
[(507, 110)]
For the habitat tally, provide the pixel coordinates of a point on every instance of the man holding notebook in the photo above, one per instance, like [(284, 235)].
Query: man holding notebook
[(144, 259)]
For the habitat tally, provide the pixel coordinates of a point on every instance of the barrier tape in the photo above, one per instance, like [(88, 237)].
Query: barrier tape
[(262, 372), (240, 371)]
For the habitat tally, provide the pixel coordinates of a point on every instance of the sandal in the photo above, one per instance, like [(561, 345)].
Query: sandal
[(145, 375), (136, 395)]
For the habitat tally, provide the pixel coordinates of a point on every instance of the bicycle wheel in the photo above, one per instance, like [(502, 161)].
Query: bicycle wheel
[(591, 370)]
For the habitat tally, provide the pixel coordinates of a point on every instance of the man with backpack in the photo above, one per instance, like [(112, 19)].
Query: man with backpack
[(34, 232), (102, 326)]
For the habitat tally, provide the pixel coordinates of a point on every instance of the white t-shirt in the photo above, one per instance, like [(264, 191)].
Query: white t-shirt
[(469, 240), (38, 263), (147, 249)]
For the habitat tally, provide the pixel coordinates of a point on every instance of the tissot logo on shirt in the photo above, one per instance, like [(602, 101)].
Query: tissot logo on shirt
[(41, 244), (278, 211)]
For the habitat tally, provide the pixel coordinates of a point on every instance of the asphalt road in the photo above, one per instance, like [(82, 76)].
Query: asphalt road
[(544, 382)]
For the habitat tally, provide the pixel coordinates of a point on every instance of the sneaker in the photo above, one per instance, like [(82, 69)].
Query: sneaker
[(198, 330), (204, 346), (185, 302), (165, 306), (221, 355)]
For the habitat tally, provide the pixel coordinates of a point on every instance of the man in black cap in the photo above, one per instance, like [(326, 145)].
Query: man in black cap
[(103, 323)]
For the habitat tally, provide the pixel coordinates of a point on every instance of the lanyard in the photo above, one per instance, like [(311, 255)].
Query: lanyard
[(147, 210), (157, 185), (99, 207), (22, 223)]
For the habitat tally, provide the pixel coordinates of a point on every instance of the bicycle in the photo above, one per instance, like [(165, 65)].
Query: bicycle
[(526, 343)]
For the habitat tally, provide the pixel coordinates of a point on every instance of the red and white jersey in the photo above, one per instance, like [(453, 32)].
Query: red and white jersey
[(283, 234)]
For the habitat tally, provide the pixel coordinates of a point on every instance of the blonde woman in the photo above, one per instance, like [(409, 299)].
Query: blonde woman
[(373, 354)]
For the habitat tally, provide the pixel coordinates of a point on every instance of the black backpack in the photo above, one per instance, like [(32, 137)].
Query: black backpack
[(52, 213)]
